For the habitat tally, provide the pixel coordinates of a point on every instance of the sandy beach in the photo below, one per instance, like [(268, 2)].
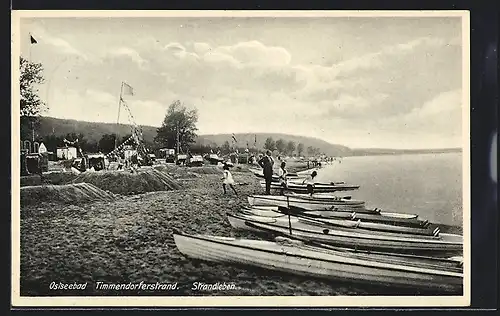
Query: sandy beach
[(130, 239)]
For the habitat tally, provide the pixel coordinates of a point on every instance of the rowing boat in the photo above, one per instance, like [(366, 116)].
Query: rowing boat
[(309, 204), (275, 178), (378, 216), (320, 196), (446, 243), (349, 223), (349, 226), (295, 257), (400, 219), (454, 263), (299, 187)]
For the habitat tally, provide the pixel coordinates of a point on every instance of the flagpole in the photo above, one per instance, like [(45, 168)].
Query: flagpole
[(29, 50), (119, 106)]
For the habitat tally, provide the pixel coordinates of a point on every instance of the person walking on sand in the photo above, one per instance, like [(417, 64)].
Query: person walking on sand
[(228, 179), (310, 182), (267, 163), (282, 173)]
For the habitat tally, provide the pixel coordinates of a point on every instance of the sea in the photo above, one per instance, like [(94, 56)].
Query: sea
[(429, 185)]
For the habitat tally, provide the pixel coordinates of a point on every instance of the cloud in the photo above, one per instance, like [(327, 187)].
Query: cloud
[(256, 53), (101, 97), (99, 106), (440, 106), (58, 43), (394, 80), (329, 91), (201, 48), (439, 116), (128, 53), (89, 105), (217, 56)]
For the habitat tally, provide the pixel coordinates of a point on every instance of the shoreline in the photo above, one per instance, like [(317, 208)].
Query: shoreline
[(131, 240)]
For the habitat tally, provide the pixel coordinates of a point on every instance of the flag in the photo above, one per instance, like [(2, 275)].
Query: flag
[(234, 138), (33, 40), (127, 89)]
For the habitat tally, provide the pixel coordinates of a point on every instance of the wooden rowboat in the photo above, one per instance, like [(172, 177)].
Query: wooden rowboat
[(348, 226), (310, 204), (294, 257), (445, 244), (348, 223), (298, 187), (400, 219)]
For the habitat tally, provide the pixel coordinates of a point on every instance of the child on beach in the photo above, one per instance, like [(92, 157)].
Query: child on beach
[(228, 179), (282, 176), (310, 182)]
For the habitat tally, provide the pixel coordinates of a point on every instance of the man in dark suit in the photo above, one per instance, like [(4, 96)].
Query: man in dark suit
[(266, 163)]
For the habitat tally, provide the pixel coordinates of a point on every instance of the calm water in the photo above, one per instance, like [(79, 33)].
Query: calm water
[(429, 185)]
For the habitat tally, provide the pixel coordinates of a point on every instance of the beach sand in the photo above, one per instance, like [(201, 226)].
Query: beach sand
[(131, 240)]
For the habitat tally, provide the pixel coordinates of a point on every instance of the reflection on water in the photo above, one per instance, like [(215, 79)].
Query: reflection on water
[(428, 184)]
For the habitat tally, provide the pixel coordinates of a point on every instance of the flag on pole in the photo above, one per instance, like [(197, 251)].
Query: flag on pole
[(33, 40), (127, 89)]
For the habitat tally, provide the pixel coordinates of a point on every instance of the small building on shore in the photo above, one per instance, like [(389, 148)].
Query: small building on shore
[(65, 153)]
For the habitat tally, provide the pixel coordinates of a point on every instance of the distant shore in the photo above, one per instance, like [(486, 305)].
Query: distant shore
[(385, 152)]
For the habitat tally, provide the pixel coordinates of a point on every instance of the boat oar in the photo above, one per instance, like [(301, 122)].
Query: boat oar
[(289, 220)]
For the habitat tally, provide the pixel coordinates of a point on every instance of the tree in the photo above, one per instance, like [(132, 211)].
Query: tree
[(177, 120), (125, 138), (226, 148), (280, 145), (300, 149), (52, 142), (107, 143), (270, 144), (290, 148), (310, 150), (31, 75)]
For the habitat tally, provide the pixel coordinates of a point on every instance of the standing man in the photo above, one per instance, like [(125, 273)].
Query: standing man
[(267, 163)]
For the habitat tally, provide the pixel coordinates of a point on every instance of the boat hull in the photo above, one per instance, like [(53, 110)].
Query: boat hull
[(349, 223), (302, 188), (311, 262), (447, 244), (288, 201), (396, 219)]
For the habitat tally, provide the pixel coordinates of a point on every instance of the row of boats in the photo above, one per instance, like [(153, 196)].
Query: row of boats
[(294, 183), (335, 237)]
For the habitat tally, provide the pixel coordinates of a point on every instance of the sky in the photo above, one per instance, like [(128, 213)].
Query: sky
[(386, 82)]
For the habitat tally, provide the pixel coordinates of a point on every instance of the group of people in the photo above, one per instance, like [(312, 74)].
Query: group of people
[(266, 162)]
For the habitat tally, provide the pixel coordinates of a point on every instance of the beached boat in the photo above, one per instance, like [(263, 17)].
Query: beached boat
[(453, 264), (348, 226), (292, 256), (392, 218), (444, 243), (349, 223), (319, 196), (309, 204), (290, 176), (299, 187), (378, 216)]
